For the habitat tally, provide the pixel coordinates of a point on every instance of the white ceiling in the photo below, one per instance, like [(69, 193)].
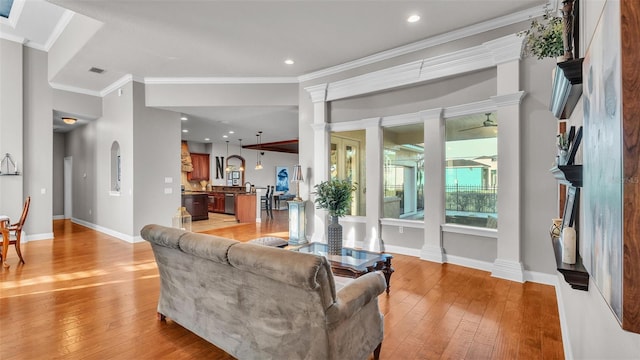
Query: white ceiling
[(199, 38)]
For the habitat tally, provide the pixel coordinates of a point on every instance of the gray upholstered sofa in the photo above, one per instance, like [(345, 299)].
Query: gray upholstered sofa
[(259, 302)]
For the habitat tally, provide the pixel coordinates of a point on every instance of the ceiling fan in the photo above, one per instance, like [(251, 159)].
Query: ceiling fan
[(487, 123)]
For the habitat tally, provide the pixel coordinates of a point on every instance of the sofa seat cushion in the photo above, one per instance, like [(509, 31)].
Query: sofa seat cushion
[(270, 241)]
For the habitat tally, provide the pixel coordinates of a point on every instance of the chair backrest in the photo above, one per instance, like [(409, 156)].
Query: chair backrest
[(269, 191), (25, 211)]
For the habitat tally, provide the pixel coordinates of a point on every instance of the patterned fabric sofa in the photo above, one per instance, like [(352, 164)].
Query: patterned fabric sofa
[(259, 302)]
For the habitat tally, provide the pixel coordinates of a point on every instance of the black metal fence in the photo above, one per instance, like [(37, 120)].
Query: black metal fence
[(471, 198)]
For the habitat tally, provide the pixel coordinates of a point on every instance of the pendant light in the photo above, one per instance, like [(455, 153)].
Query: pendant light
[(258, 161), (241, 167), (228, 168)]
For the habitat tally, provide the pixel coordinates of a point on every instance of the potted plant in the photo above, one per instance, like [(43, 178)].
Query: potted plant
[(335, 197), (544, 38)]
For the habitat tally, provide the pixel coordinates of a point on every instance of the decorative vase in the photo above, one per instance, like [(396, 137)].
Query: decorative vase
[(569, 245), (334, 237), (563, 157), (555, 230)]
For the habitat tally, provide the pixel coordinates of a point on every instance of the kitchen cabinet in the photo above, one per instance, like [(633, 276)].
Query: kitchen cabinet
[(196, 204), (200, 167), (246, 208), (218, 202)]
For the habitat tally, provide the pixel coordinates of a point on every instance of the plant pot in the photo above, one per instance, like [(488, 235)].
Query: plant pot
[(334, 237)]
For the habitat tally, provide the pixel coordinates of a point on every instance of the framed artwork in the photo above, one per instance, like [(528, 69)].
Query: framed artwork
[(603, 179), (282, 179)]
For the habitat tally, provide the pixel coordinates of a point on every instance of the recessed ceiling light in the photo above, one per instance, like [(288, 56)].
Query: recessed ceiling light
[(289, 62), (183, 118), (225, 136), (231, 132), (207, 139), (69, 120), (413, 18), (185, 130)]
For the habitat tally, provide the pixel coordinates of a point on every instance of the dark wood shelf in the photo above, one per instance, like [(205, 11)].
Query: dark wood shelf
[(568, 174), (567, 88), (575, 275)]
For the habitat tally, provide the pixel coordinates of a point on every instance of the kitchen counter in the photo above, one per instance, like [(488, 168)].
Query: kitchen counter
[(196, 203)]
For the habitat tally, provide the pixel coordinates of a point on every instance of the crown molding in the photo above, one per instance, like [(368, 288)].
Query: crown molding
[(475, 29), (318, 93), (116, 84), (458, 62), (13, 38), (508, 99), (74, 89), (375, 81), (65, 19), (218, 80), (470, 108)]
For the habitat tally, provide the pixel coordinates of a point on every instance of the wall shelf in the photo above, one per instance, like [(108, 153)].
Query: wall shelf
[(568, 174), (567, 88), (575, 275)]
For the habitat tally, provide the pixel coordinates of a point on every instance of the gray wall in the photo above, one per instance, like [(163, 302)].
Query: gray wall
[(38, 142), (156, 156), (58, 175), (11, 125)]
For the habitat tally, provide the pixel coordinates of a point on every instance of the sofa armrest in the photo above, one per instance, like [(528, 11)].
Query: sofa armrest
[(355, 295)]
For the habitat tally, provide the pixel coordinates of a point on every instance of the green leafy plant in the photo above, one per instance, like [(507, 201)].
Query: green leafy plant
[(334, 196), (543, 39)]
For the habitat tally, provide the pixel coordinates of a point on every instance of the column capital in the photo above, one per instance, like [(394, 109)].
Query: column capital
[(318, 93), (508, 99)]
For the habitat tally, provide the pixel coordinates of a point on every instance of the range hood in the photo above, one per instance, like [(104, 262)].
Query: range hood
[(567, 88)]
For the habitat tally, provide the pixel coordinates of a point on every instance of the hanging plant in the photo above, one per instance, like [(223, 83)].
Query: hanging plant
[(543, 39)]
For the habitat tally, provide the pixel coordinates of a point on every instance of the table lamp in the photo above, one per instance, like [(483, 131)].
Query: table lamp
[(297, 178)]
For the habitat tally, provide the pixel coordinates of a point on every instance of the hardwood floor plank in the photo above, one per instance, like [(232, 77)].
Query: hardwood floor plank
[(86, 295)]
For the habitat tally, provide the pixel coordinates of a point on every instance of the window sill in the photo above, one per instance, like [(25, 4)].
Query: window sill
[(469, 230), (417, 224), (114, 193), (353, 219)]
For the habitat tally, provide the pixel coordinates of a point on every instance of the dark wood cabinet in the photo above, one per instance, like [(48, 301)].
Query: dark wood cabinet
[(196, 205), (218, 203), (200, 167)]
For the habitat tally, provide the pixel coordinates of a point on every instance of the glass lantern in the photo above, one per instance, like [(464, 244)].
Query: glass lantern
[(182, 219)]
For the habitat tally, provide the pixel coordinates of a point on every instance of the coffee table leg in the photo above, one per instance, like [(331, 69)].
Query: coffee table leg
[(387, 270)]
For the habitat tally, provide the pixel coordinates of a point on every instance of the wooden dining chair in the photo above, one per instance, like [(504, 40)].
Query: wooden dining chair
[(15, 230)]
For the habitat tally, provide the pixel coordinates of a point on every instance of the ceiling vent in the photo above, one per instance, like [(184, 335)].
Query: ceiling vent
[(96, 70)]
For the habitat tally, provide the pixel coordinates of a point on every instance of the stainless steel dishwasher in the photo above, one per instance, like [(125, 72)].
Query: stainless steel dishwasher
[(230, 204)]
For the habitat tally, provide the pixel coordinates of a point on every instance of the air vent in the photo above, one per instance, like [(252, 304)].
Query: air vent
[(96, 70)]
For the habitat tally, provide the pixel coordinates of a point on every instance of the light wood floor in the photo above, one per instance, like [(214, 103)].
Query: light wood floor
[(86, 295)]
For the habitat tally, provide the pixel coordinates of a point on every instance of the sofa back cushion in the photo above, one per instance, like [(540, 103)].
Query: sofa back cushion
[(209, 247), (307, 271)]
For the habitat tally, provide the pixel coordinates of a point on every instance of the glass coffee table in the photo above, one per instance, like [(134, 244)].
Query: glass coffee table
[(352, 263)]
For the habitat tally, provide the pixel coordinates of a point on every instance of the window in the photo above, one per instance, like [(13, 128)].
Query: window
[(471, 170), (347, 162), (403, 177)]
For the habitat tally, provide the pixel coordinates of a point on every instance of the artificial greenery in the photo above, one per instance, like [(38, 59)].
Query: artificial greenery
[(544, 37), (334, 196)]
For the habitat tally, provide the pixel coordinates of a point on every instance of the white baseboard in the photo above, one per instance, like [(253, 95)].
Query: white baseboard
[(470, 263), (507, 269), (104, 230), (36, 237), (541, 278), (564, 325), (402, 250), (58, 217), (433, 254)]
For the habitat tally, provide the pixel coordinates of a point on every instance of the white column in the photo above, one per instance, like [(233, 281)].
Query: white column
[(374, 150), (508, 264), (434, 184), (321, 141)]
